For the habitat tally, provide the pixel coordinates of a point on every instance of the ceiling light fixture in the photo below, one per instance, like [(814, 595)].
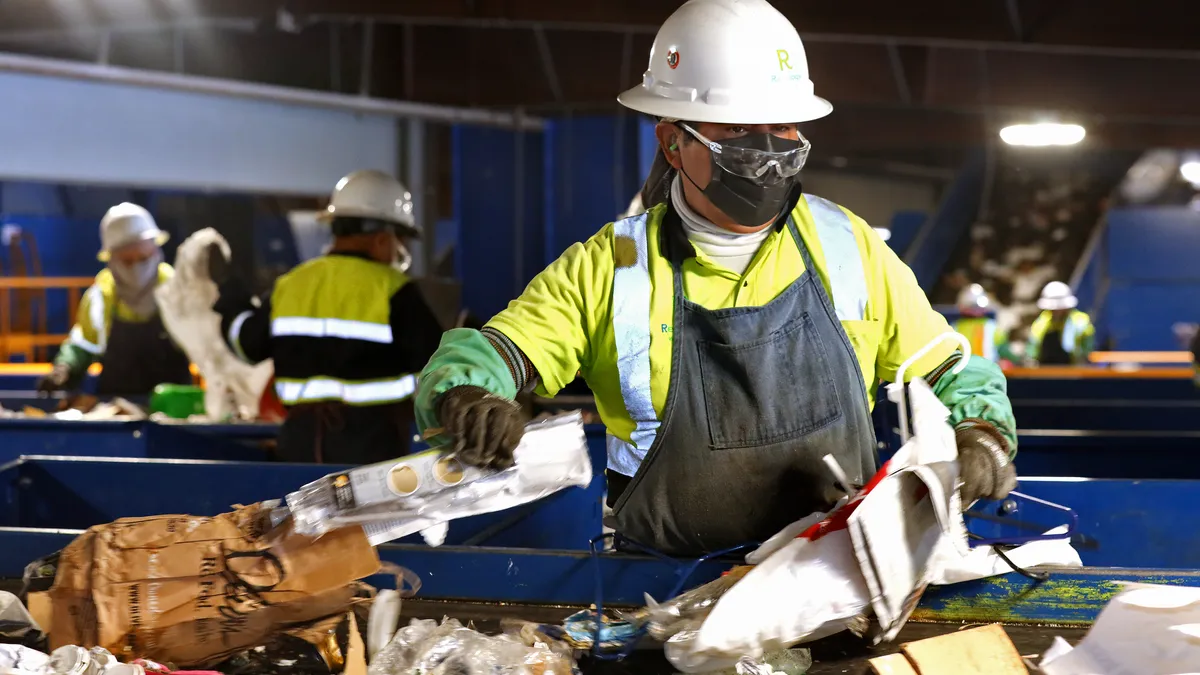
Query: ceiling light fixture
[(1042, 134), (1190, 170)]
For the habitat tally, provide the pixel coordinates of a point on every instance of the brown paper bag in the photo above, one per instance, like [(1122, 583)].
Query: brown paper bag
[(191, 590)]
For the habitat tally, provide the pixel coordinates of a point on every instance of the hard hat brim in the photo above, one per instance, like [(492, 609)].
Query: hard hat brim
[(159, 236), (640, 100), (332, 212), (1053, 304)]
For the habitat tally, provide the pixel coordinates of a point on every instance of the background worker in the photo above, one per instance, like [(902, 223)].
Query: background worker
[(347, 331), (118, 323), (734, 333), (1061, 335), (978, 321)]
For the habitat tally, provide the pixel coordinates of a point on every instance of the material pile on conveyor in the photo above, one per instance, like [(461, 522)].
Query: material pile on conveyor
[(264, 590)]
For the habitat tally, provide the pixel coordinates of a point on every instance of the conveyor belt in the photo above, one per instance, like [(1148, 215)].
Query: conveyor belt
[(842, 654)]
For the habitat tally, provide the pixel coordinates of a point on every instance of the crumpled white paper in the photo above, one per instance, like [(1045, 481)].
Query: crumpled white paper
[(809, 579), (953, 567), (233, 388), (1146, 629)]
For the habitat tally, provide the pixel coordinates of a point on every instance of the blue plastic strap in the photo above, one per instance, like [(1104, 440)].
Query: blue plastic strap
[(843, 262), (684, 569), (1072, 525)]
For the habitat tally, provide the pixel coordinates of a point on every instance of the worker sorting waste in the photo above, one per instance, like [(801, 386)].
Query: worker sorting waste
[(347, 331), (1062, 334), (117, 323), (733, 334)]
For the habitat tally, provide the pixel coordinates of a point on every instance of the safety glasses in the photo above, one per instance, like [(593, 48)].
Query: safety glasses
[(760, 165)]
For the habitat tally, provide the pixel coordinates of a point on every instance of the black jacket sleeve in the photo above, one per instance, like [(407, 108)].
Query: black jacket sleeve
[(415, 330), (245, 321)]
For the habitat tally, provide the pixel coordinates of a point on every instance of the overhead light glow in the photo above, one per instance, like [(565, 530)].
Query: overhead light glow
[(883, 232), (1042, 134), (1190, 170)]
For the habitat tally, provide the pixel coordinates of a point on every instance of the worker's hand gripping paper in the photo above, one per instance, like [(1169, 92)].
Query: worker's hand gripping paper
[(873, 552), (233, 388), (421, 493)]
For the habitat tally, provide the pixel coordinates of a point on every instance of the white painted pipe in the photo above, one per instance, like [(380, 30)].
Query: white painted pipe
[(78, 70)]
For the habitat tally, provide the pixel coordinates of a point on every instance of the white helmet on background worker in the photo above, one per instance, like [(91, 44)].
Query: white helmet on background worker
[(126, 224), (973, 300), (371, 195), (1057, 295), (727, 62), (369, 201)]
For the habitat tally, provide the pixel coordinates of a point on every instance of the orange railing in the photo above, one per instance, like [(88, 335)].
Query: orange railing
[(27, 343)]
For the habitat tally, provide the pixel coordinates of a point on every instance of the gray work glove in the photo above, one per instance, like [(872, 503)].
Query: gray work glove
[(59, 379), (485, 428), (985, 469)]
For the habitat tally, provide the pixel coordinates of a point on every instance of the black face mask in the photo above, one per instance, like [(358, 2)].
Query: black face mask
[(751, 201)]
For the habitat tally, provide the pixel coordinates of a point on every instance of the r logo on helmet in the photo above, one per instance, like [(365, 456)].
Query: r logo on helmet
[(673, 58)]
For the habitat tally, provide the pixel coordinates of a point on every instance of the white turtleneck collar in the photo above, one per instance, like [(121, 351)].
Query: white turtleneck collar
[(731, 250)]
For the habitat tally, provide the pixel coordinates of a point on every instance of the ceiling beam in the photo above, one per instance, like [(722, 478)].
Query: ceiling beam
[(1146, 29)]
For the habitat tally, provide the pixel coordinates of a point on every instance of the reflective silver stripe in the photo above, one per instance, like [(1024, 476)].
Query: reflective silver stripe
[(235, 334), (76, 338), (1070, 333), (99, 317), (843, 262), (989, 340), (623, 458), (329, 389), (96, 316), (631, 332), (339, 328)]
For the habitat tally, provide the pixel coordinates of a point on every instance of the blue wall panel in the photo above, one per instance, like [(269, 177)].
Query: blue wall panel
[(593, 165), (1144, 277), (67, 248), (935, 241), (1139, 316), (647, 148), (1160, 243), (904, 228), (498, 184)]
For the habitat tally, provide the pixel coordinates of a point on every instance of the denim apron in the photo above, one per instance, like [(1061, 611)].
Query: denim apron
[(757, 396)]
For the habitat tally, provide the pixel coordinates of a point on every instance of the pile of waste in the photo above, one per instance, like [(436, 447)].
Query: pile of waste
[(81, 407), (276, 588)]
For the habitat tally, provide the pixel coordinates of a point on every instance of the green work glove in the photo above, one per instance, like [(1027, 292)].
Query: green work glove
[(985, 469), (484, 428), (59, 379), (979, 392)]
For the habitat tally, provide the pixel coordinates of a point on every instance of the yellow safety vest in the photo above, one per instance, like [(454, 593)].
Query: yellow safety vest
[(94, 318), (331, 333)]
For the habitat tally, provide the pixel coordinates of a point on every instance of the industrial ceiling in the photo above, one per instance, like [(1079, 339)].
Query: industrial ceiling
[(919, 80)]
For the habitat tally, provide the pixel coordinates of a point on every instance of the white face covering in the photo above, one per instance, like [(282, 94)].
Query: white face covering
[(136, 283)]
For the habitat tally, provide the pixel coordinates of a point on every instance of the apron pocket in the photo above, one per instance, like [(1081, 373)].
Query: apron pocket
[(767, 391)]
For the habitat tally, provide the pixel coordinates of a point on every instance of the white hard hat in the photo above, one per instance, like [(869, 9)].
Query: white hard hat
[(126, 224), (374, 195), (973, 297), (727, 62), (1057, 295)]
